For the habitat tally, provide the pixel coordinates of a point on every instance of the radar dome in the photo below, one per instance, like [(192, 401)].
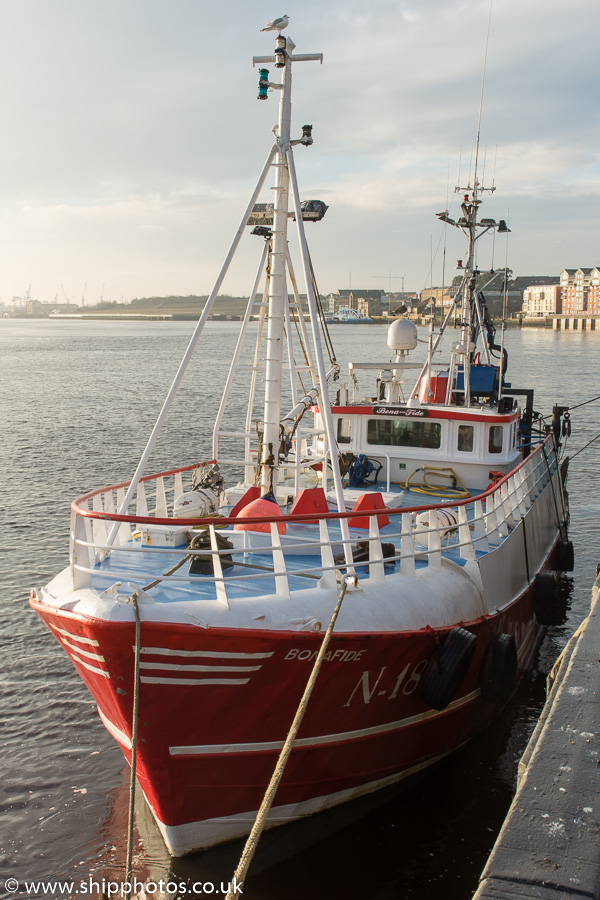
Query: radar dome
[(402, 335)]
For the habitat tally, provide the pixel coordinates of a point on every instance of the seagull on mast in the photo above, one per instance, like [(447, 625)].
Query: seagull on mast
[(277, 24)]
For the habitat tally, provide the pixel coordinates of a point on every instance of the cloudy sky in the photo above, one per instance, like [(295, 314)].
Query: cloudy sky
[(132, 138)]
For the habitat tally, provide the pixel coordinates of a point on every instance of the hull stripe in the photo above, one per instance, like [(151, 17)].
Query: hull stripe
[(117, 733), (82, 662), (374, 730), (74, 637), (212, 654), (148, 680), (83, 652), (185, 667)]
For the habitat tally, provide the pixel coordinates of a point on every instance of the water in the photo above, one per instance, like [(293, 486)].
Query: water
[(78, 402)]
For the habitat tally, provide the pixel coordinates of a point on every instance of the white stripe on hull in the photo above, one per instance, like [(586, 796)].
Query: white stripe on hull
[(212, 654), (117, 733), (185, 667), (74, 637), (146, 679), (82, 652), (95, 669), (341, 737)]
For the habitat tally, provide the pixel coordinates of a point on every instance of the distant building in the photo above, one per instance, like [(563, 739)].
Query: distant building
[(42, 310), (441, 298), (594, 293), (580, 291), (500, 294), (371, 303), (515, 292), (542, 299)]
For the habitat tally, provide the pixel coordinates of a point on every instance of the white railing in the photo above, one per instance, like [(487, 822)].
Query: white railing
[(482, 524)]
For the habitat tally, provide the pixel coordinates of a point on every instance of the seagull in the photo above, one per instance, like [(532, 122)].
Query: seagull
[(277, 24)]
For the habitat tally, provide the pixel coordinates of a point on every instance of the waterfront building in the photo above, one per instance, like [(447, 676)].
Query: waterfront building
[(542, 299), (580, 291)]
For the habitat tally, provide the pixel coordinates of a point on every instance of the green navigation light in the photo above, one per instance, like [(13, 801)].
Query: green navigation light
[(263, 84)]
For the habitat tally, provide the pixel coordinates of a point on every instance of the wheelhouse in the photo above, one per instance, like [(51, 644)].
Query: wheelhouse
[(402, 439)]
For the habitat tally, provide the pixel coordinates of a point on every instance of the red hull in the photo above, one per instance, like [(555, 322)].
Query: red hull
[(216, 706)]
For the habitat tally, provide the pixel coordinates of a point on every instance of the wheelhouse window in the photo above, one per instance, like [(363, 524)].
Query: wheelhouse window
[(344, 430), (404, 433), (465, 438), (495, 441)]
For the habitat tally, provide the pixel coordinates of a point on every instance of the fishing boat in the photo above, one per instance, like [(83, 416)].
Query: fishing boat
[(418, 531)]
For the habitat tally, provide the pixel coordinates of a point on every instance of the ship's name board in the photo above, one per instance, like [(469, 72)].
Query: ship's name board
[(406, 411)]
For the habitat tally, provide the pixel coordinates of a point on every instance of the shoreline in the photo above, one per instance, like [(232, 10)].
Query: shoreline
[(181, 316)]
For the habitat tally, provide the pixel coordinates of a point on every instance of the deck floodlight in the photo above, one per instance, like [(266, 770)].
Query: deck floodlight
[(280, 52), (263, 84), (502, 227), (262, 231), (306, 138), (489, 222)]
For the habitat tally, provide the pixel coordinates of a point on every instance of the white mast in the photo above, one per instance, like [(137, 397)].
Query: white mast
[(278, 299), (277, 293)]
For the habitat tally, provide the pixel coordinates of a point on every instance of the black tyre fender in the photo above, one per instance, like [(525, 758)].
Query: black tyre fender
[(499, 669), (545, 602), (565, 556), (447, 668)]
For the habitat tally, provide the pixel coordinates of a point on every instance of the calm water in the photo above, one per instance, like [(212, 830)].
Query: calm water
[(78, 401)]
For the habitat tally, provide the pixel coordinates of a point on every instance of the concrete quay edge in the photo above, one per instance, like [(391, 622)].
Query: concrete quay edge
[(549, 845)]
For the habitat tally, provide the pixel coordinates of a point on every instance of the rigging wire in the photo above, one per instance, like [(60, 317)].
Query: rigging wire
[(577, 406), (585, 402), (487, 40), (324, 329), (585, 446)]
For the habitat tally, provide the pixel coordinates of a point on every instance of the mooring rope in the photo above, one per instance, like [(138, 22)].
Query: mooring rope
[(134, 731), (136, 698), (261, 816), (585, 446), (577, 406)]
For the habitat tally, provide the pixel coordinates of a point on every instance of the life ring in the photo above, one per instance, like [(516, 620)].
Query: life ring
[(565, 556), (447, 668), (546, 603), (499, 669)]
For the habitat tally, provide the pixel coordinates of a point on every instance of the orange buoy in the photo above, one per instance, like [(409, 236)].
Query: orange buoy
[(266, 509)]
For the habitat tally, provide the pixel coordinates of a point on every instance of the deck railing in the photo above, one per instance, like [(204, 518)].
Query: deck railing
[(418, 534)]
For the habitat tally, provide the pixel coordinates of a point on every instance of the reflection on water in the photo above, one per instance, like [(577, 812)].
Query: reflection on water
[(79, 400)]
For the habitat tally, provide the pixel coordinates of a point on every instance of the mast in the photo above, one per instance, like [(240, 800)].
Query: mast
[(277, 298), (471, 316), (277, 292)]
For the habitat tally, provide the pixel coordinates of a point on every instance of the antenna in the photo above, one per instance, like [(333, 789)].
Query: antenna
[(487, 39)]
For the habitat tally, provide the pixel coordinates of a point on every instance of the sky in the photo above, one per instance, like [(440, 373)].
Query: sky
[(133, 138)]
